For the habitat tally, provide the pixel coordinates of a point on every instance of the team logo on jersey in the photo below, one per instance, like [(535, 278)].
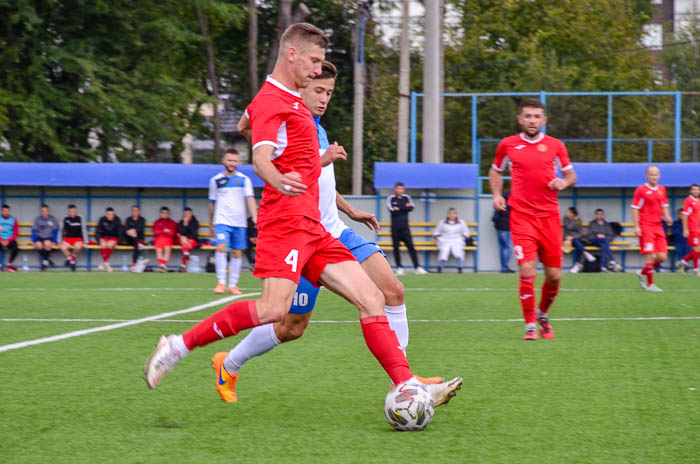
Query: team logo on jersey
[(222, 182), (295, 105), (519, 147), (542, 147)]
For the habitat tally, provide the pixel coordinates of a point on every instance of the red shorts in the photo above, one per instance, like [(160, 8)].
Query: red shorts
[(73, 240), (188, 244), (110, 240), (162, 242), (294, 246), (694, 238), (536, 237), (653, 239)]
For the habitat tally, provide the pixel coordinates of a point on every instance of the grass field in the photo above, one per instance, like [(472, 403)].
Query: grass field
[(618, 384)]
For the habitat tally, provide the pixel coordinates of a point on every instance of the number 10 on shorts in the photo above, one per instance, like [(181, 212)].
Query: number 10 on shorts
[(292, 259)]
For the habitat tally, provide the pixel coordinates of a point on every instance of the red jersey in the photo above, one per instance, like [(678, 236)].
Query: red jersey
[(650, 201), (533, 165), (165, 228), (279, 117), (691, 208)]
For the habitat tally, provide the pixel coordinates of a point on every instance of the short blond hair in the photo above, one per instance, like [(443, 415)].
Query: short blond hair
[(303, 34)]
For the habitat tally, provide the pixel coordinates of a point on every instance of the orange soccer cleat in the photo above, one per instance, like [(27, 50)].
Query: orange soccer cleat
[(235, 291), (531, 335), (225, 382), (220, 288), (545, 329)]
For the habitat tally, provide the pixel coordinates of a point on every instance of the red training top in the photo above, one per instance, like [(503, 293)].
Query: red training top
[(650, 201), (691, 208), (165, 228)]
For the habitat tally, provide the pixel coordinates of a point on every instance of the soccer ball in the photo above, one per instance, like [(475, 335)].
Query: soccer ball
[(409, 407)]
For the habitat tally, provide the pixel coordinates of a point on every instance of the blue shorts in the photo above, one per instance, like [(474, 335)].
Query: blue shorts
[(234, 237), (305, 297)]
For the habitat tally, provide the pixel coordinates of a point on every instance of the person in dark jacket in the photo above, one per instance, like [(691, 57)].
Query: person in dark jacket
[(501, 221), (72, 236), (573, 238), (188, 228), (600, 234), (134, 235), (252, 241), (107, 233), (399, 205)]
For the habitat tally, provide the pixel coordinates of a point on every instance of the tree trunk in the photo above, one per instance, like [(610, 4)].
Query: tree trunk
[(284, 19), (252, 48), (213, 80)]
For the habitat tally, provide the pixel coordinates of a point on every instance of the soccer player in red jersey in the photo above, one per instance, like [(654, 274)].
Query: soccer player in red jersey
[(535, 224), (649, 205), (165, 233), (690, 216), (291, 240)]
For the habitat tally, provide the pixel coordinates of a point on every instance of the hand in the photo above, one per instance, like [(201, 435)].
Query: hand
[(499, 203), (600, 235), (368, 219), (5, 242), (669, 221), (131, 233), (255, 220), (637, 231), (396, 208), (253, 240), (183, 241), (685, 233), (332, 153), (290, 184), (557, 184)]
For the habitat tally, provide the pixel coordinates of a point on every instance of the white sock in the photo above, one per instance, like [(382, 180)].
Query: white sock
[(178, 344), (221, 267), (234, 269), (396, 315), (530, 326), (260, 340)]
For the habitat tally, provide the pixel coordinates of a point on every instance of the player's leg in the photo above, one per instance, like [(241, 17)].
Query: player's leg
[(525, 235), (64, 248), (551, 255), (223, 239), (14, 249), (48, 248), (167, 251), (239, 241), (443, 253), (39, 247)]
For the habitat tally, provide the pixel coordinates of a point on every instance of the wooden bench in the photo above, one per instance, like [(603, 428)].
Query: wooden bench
[(422, 244)]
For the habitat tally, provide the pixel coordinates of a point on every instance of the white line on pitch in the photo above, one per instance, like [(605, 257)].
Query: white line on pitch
[(116, 289), (191, 321), (419, 289), (78, 333)]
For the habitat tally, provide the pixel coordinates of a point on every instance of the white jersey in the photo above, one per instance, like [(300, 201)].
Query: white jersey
[(451, 230), (330, 219), (230, 194)]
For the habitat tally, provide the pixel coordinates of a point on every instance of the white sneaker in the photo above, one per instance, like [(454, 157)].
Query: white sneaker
[(140, 266), (682, 266), (420, 271), (576, 268), (108, 267), (589, 257), (399, 271), (443, 392), (653, 288), (642, 279), (161, 361), (101, 267)]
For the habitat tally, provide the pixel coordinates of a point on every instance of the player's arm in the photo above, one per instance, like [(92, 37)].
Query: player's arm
[(635, 220), (684, 221), (332, 153), (496, 183), (244, 127), (252, 208), (559, 183), (211, 217), (667, 216), (288, 183), (368, 219)]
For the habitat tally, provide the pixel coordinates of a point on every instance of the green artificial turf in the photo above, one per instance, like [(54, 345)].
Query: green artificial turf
[(608, 390)]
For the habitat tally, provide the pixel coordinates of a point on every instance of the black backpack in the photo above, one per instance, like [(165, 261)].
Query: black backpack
[(211, 263)]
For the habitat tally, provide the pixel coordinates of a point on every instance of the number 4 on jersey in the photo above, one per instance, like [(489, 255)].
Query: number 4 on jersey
[(292, 259)]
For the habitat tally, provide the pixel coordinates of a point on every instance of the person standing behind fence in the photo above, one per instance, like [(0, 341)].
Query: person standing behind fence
[(134, 235), (451, 234), (188, 229), (399, 205), (107, 233), (44, 235), (501, 221), (9, 231), (72, 234), (230, 192)]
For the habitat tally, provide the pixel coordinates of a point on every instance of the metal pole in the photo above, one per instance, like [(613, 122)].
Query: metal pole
[(475, 158), (358, 103), (677, 122), (404, 84), (414, 110), (608, 142), (543, 99), (431, 84)]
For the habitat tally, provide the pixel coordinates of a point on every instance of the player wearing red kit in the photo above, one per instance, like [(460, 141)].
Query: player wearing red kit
[(690, 217), (291, 240), (535, 224), (649, 205)]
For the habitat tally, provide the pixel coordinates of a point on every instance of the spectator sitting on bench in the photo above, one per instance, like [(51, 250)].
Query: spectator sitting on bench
[(573, 239), (165, 231), (188, 228), (9, 231), (600, 234), (44, 235), (451, 233), (107, 233), (72, 236), (134, 232)]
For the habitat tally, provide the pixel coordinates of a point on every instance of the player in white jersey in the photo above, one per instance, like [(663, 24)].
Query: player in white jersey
[(263, 338), (451, 234), (229, 193)]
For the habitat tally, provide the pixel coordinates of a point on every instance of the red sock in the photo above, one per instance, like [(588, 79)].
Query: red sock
[(108, 252), (527, 298), (692, 257), (648, 270), (384, 345), (224, 323), (105, 256), (549, 293), (185, 258)]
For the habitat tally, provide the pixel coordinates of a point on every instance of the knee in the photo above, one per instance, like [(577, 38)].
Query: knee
[(288, 332), (661, 257), (393, 293), (221, 248)]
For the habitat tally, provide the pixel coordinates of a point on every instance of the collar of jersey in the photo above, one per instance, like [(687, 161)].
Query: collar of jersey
[(539, 139), (653, 188), (280, 86)]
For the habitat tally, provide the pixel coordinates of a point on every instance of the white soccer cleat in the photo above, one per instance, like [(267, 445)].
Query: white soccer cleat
[(161, 361), (442, 393), (653, 288), (420, 271), (642, 279), (399, 271)]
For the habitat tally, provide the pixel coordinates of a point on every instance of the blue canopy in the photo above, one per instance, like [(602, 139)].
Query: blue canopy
[(135, 175), (633, 174), (426, 176)]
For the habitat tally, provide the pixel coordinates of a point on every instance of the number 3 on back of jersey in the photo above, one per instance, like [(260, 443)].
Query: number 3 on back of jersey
[(292, 259)]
